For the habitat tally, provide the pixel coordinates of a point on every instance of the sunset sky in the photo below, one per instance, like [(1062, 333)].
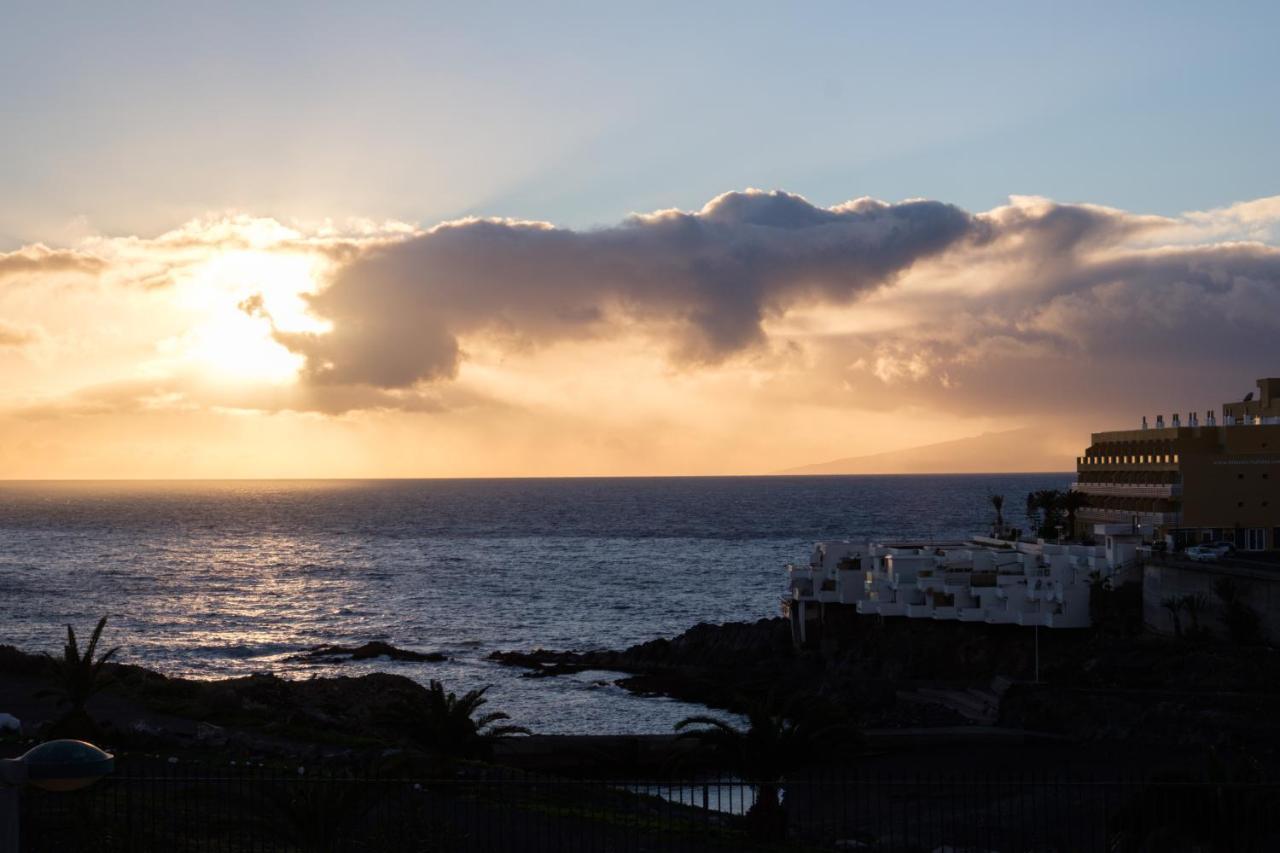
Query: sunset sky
[(266, 240)]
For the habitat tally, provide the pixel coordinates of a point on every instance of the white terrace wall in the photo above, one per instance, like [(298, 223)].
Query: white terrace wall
[(1259, 589)]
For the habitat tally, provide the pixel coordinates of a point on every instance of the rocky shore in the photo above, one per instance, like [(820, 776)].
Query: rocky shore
[(1096, 686)]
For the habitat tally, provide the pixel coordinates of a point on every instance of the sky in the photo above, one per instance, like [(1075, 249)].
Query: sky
[(267, 240)]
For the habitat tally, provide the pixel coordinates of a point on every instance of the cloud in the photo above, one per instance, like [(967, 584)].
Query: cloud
[(1120, 328), (193, 393), (703, 282), (1032, 308), (16, 336), (41, 259)]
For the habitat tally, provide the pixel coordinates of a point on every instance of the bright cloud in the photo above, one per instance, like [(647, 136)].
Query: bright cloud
[(672, 341)]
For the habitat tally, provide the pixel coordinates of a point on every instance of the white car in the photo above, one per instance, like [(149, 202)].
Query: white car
[(1210, 552)]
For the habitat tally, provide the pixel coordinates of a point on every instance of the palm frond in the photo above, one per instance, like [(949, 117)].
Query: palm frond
[(93, 639)]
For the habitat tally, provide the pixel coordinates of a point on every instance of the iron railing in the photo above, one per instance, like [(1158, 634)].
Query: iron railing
[(187, 807)]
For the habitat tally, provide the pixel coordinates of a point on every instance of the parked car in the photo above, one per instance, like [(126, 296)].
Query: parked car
[(1210, 552)]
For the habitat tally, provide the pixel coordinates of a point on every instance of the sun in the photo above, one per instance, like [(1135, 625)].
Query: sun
[(234, 300)]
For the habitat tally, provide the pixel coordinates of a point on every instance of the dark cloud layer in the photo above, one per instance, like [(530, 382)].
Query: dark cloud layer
[(1054, 300), (704, 280), (1126, 332)]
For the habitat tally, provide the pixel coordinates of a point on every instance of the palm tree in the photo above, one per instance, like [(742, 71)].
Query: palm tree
[(771, 745), (1043, 506), (1072, 502), (997, 503), (79, 678), (447, 723), (1174, 605), (1195, 604), (1244, 625), (1033, 511)]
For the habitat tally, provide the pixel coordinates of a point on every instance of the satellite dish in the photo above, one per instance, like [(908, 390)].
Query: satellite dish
[(1248, 397)]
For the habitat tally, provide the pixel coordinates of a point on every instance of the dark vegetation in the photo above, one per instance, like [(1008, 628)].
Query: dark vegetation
[(781, 737), (1048, 510), (136, 708), (452, 726), (77, 678), (1112, 685)]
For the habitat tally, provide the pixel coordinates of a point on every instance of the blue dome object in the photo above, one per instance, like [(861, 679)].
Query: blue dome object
[(66, 765)]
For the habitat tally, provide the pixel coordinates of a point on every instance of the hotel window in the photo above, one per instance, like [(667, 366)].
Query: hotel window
[(1257, 539)]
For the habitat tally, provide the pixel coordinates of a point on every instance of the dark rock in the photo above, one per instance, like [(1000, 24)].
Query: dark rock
[(718, 665), (375, 649)]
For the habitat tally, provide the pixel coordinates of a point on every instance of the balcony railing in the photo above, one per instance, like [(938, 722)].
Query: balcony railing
[(1130, 490), (1126, 515)]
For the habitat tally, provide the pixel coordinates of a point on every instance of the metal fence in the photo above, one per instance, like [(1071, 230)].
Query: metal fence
[(175, 808)]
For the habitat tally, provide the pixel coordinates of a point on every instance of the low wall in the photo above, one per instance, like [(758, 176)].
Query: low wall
[(1258, 587)]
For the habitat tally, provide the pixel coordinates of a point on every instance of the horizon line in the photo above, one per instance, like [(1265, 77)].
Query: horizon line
[(774, 476)]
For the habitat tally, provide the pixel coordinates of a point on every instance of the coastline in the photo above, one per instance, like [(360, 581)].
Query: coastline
[(1103, 694)]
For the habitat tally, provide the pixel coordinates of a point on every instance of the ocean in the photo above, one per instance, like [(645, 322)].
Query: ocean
[(221, 578)]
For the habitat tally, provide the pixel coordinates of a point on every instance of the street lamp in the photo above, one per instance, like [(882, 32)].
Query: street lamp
[(56, 765)]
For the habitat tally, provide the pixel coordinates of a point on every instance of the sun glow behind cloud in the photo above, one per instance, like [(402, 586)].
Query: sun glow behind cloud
[(234, 300)]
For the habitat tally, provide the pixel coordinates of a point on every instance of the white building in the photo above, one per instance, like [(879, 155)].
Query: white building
[(975, 580)]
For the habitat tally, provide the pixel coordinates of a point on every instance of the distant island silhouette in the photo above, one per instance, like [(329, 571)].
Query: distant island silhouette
[(1027, 449)]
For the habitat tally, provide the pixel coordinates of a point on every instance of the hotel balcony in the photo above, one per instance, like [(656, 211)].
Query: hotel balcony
[(1130, 490), (1124, 516)]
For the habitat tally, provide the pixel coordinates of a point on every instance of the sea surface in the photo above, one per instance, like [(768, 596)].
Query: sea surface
[(211, 579)]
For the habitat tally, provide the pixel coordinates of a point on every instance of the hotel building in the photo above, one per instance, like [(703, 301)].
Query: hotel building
[(1180, 483), (1190, 481)]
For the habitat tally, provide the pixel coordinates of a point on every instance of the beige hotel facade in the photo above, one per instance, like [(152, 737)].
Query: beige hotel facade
[(1193, 480)]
